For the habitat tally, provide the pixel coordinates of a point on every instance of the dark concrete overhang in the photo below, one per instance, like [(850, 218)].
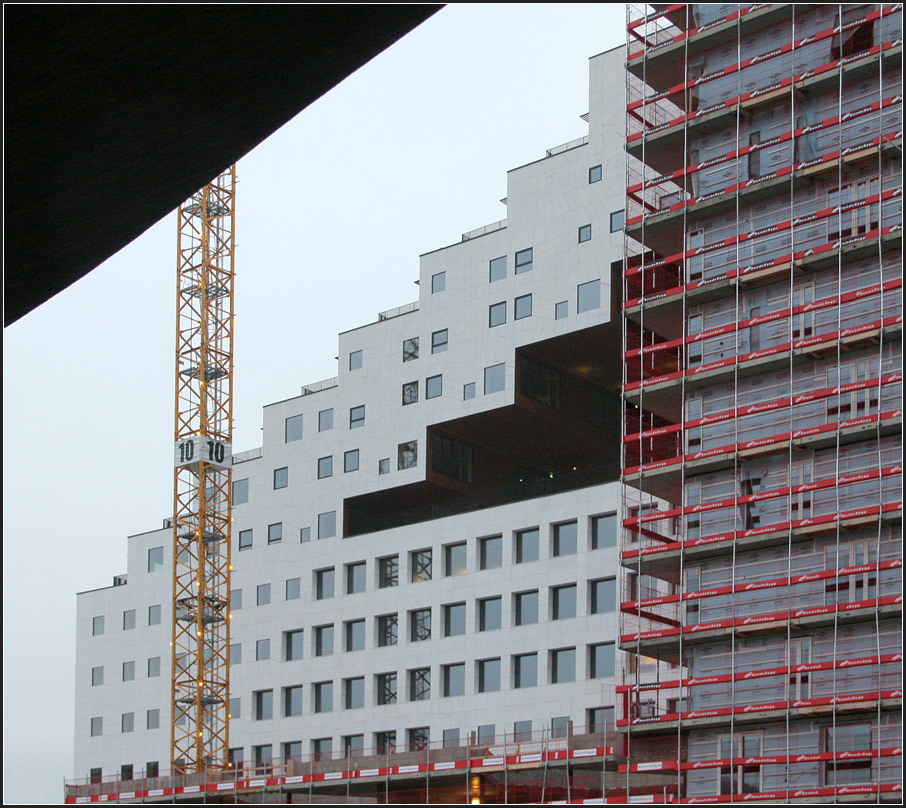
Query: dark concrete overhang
[(116, 114)]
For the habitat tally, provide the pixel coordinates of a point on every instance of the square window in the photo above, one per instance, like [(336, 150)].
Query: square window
[(264, 594), (522, 307), (357, 416), (451, 738), (155, 559), (355, 360), (327, 525), (128, 671), (468, 391), (323, 697), (275, 533), (325, 467), (324, 580), (245, 539), (434, 386), (262, 755), (384, 465), (563, 666), (589, 296), (524, 260), (600, 660), (595, 174), (603, 595), (355, 635), (323, 641), (496, 314), (386, 686), (353, 745), (490, 552), (410, 393), (292, 429), (407, 455), (351, 460), (293, 588), (454, 679), (322, 748), (281, 478), (325, 420), (304, 535), (497, 269), (525, 670), (385, 742), (292, 703), (418, 738), (387, 630), (410, 349), (264, 705), (490, 613), (600, 719), (152, 719), (617, 220), (293, 644), (494, 379), (438, 282), (454, 619), (488, 675), (355, 578), (129, 620), (419, 625), (522, 731), (455, 559), (565, 539), (526, 611), (97, 727), (240, 491), (439, 341), (420, 684), (527, 545), (604, 531), (486, 734), (561, 310), (97, 676), (585, 233), (563, 602), (127, 722), (420, 565), (354, 694), (388, 571), (262, 650), (154, 615)]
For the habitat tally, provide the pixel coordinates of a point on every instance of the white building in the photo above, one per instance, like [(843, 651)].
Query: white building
[(424, 547)]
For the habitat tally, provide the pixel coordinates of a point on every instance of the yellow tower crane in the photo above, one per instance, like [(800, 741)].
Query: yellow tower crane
[(199, 732)]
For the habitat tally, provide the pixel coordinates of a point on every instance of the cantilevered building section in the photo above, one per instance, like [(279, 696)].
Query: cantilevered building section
[(424, 549), (762, 532)]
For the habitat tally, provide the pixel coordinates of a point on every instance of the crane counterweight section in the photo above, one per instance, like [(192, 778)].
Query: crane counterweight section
[(202, 479)]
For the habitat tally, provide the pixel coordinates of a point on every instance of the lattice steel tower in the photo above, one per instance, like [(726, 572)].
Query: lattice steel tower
[(202, 477)]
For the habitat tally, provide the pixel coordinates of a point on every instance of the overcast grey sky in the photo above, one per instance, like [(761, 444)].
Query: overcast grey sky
[(332, 213)]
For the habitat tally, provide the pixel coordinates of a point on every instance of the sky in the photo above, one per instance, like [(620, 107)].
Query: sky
[(332, 212)]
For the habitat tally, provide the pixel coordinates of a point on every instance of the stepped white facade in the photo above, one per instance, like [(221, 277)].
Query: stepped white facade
[(425, 548)]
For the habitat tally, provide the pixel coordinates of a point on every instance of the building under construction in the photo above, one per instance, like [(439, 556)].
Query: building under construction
[(455, 579), (762, 516)]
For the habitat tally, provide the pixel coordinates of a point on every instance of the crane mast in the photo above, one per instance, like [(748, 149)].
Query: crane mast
[(199, 738)]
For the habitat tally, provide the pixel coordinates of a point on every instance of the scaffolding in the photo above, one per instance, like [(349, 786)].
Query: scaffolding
[(762, 531), (571, 764)]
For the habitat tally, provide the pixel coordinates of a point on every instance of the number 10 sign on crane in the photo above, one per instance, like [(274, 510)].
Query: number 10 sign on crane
[(202, 480)]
